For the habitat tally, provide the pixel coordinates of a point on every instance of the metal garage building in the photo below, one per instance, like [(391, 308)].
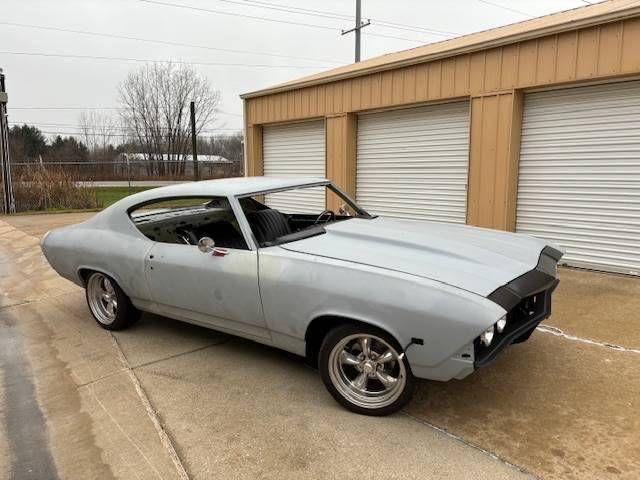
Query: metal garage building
[(533, 127)]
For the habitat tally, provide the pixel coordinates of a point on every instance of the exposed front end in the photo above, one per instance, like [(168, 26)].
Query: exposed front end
[(527, 301)]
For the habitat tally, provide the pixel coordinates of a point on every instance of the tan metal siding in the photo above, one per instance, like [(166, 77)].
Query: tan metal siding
[(495, 130), (341, 155), (629, 51), (601, 52), (253, 137), (594, 52)]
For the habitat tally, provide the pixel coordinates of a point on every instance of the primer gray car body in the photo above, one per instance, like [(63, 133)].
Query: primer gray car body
[(413, 279)]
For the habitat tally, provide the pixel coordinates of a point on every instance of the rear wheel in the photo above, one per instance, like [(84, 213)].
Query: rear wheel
[(109, 305), (362, 369)]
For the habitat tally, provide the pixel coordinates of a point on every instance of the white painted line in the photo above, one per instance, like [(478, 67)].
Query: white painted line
[(559, 333)]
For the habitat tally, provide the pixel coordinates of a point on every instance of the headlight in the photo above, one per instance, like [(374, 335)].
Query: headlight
[(500, 324), (487, 336)]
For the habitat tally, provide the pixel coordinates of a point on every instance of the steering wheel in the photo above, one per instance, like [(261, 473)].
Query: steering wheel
[(186, 236), (332, 216)]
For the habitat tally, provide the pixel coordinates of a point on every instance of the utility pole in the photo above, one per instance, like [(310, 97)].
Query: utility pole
[(8, 202), (359, 26), (194, 143)]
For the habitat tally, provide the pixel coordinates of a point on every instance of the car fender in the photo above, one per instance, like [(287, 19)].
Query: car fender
[(297, 288), (70, 250)]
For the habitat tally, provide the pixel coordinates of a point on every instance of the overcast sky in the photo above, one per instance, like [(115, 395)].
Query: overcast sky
[(38, 81)]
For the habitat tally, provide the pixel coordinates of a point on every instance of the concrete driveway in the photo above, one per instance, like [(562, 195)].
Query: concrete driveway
[(170, 400)]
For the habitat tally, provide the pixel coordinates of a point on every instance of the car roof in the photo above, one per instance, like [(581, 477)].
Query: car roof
[(238, 186)]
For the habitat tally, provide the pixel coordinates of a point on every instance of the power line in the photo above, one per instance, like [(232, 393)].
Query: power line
[(507, 8), (410, 28), (102, 108), (143, 60), (114, 127), (65, 108), (162, 42), (252, 17), (338, 16), (288, 9), (73, 134), (266, 19), (381, 35), (108, 128)]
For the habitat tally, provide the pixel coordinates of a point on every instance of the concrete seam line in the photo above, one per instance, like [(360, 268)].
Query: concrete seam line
[(4, 307), (117, 424), (470, 444), (164, 437), (91, 382), (171, 357), (560, 333)]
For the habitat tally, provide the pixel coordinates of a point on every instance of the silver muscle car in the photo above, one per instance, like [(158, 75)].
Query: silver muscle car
[(372, 302)]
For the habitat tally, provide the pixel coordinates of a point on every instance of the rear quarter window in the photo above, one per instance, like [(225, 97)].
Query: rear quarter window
[(185, 220)]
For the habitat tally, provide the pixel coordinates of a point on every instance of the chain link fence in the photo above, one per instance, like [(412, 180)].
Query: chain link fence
[(131, 171), (72, 185)]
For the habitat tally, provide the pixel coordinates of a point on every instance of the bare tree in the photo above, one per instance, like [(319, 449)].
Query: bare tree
[(99, 131), (155, 112)]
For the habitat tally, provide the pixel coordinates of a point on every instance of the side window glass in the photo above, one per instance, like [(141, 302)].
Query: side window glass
[(185, 220)]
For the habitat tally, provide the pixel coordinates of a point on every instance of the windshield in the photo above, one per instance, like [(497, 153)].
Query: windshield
[(291, 214)]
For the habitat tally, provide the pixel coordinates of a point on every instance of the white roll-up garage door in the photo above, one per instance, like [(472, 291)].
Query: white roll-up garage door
[(295, 150), (413, 163), (579, 180)]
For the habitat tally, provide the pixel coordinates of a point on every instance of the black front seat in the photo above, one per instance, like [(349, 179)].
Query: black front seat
[(267, 225), (225, 235)]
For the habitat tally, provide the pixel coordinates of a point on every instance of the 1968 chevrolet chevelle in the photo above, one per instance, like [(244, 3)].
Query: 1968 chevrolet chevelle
[(373, 302)]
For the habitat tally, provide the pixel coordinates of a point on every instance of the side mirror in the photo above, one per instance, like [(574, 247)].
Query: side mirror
[(344, 210), (206, 244)]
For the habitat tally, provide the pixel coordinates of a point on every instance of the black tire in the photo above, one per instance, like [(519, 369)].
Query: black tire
[(109, 314), (335, 373)]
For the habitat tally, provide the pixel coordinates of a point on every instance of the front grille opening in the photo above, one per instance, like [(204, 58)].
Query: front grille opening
[(527, 309), (521, 319)]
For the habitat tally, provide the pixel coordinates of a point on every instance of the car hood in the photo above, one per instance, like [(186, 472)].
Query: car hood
[(475, 259)]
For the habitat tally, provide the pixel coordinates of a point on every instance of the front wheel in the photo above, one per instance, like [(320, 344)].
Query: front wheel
[(109, 305), (362, 369)]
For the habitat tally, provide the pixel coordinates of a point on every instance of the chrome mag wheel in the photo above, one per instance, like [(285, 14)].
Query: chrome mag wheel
[(367, 371), (102, 297)]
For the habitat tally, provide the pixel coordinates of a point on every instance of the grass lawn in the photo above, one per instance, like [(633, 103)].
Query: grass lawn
[(108, 195), (105, 195)]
